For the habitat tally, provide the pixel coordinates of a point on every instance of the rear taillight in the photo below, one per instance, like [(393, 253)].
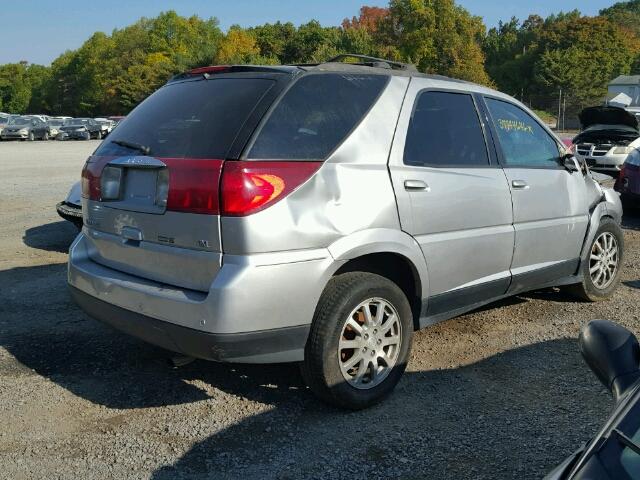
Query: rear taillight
[(250, 186), (193, 185), (91, 177)]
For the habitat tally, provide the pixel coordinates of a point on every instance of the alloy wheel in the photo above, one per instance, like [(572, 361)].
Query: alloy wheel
[(369, 343), (604, 259)]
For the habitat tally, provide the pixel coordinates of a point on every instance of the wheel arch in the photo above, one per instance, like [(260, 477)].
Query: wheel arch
[(605, 209), (390, 253)]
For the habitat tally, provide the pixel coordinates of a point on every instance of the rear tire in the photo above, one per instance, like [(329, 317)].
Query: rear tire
[(31, 137), (381, 340), (601, 271)]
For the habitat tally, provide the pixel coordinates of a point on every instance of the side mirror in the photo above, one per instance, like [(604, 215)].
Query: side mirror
[(568, 161), (613, 354)]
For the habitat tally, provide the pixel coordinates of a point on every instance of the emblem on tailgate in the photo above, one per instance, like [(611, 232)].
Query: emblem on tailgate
[(203, 243)]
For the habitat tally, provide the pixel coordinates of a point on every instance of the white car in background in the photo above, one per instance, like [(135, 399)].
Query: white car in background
[(71, 207), (106, 125), (609, 134)]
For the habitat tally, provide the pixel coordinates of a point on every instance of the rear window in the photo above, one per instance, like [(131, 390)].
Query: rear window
[(197, 119), (315, 115)]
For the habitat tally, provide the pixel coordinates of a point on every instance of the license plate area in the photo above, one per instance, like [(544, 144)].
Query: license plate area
[(143, 187)]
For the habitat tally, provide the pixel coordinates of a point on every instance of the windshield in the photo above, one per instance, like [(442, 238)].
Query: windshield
[(56, 123), (630, 457), (193, 119), (4, 119), (77, 122), (619, 455)]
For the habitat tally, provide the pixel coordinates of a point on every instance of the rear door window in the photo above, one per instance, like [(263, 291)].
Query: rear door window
[(192, 119), (523, 140), (445, 131), (315, 115)]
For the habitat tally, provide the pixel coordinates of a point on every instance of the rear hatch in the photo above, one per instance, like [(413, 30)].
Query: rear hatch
[(150, 191)]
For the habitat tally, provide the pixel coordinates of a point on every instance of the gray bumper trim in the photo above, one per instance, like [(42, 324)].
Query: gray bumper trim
[(266, 346)]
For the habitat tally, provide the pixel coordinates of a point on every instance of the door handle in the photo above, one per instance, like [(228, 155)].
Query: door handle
[(520, 185), (416, 186)]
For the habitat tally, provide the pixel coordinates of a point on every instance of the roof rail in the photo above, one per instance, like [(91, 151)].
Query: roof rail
[(374, 61)]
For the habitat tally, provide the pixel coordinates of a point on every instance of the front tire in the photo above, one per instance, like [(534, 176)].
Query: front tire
[(359, 342), (31, 137), (601, 271)]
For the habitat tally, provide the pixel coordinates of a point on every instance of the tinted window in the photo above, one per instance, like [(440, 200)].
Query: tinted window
[(315, 116), (445, 131), (524, 142), (196, 119)]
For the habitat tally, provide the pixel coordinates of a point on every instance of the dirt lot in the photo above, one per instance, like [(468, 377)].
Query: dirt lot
[(499, 393)]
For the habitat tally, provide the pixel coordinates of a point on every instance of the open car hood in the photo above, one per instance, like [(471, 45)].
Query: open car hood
[(607, 116)]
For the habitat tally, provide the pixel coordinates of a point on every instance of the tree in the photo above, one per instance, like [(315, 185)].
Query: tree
[(436, 35), (368, 20), (571, 60), (238, 46), (15, 91)]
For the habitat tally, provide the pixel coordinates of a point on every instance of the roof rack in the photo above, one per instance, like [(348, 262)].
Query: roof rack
[(373, 62)]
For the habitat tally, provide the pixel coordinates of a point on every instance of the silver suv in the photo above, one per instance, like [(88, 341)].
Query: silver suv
[(320, 214)]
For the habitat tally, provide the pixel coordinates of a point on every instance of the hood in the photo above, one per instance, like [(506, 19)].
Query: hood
[(607, 116), (72, 127)]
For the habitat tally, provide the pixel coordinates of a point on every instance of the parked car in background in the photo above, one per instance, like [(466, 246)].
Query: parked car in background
[(613, 354), (80, 129), (609, 134), (628, 181), (106, 125), (568, 142), (54, 126), (25, 127), (4, 120), (71, 207), (356, 202)]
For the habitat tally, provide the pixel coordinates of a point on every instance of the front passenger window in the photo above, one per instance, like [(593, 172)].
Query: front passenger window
[(524, 142)]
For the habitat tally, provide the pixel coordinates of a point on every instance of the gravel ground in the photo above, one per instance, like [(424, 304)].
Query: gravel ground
[(498, 393)]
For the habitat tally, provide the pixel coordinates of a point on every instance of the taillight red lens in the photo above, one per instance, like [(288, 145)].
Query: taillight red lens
[(193, 185), (251, 186), (91, 177)]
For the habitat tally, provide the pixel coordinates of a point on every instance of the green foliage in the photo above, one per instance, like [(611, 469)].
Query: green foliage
[(21, 86), (567, 51), (535, 58), (624, 14)]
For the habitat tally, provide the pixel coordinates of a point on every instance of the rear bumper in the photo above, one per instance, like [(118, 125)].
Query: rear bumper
[(13, 136), (268, 297), (251, 347)]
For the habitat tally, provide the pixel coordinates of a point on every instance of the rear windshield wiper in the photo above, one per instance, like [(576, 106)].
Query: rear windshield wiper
[(626, 441), (134, 146)]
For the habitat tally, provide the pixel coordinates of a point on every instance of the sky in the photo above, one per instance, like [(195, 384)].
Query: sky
[(39, 30)]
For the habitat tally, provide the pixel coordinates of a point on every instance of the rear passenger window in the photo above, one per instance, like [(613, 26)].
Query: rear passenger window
[(316, 115), (445, 131), (524, 142)]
